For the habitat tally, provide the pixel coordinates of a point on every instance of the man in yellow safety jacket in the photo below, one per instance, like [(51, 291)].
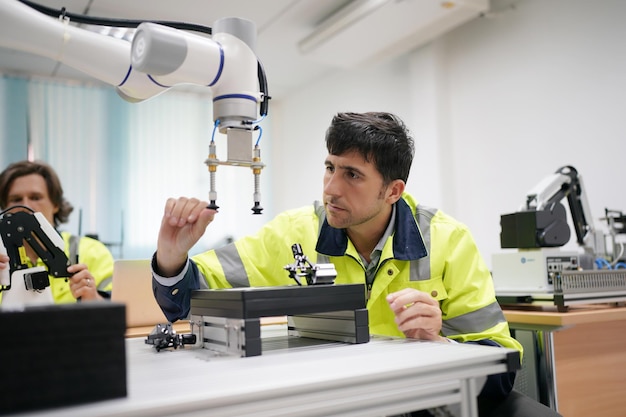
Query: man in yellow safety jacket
[(424, 276)]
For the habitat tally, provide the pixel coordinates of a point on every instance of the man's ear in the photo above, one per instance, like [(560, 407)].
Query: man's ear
[(395, 190)]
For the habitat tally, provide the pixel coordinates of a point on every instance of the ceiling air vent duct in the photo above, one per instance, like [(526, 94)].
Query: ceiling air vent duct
[(367, 30)]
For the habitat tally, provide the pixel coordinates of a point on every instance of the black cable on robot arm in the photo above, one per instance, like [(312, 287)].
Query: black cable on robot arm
[(102, 21), (5, 211), (263, 87)]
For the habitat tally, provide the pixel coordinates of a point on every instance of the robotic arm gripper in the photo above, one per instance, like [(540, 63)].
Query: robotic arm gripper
[(23, 285)]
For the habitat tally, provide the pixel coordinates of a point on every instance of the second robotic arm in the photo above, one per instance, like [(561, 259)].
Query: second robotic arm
[(542, 220), (23, 285)]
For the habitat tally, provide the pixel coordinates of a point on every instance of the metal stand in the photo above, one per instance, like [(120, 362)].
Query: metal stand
[(574, 287), (537, 376)]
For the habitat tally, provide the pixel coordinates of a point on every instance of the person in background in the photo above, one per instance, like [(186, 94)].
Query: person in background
[(424, 276), (37, 186)]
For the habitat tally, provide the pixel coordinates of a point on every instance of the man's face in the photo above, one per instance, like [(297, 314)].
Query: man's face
[(31, 191), (354, 195)]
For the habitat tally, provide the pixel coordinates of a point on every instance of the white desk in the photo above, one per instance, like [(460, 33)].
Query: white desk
[(382, 377)]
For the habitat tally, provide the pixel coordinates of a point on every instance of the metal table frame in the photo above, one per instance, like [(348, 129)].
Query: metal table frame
[(383, 377)]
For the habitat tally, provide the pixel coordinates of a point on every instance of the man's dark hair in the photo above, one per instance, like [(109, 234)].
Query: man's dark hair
[(381, 138), (55, 190)]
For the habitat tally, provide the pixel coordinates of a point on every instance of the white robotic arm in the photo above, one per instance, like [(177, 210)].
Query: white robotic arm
[(225, 64), (159, 58), (542, 195), (102, 57), (22, 284), (541, 221)]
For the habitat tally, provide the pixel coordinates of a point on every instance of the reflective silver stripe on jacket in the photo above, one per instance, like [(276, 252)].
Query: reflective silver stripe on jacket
[(73, 249), (104, 283), (321, 215), (472, 322), (232, 265), (475, 321), (420, 269)]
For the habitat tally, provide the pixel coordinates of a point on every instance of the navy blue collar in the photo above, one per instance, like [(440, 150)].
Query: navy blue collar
[(408, 244)]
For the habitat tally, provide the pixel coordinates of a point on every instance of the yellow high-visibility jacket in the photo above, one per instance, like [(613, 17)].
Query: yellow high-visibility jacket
[(428, 251)]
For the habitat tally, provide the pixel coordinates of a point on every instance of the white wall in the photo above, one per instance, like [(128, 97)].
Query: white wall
[(537, 87), (495, 106), (299, 124)]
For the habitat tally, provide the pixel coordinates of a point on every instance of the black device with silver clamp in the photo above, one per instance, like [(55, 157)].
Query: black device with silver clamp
[(229, 319)]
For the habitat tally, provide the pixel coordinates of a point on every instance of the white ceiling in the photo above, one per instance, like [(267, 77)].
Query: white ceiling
[(281, 24)]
